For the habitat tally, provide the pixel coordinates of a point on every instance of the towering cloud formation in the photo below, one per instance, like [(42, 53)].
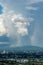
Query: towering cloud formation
[(14, 26), (15, 21)]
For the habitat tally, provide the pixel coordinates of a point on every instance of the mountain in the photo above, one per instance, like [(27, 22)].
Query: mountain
[(24, 48), (29, 48)]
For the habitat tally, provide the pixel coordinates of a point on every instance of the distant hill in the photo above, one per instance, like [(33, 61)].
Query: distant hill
[(29, 48), (25, 48)]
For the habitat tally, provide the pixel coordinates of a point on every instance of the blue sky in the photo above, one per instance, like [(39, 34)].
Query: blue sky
[(21, 23)]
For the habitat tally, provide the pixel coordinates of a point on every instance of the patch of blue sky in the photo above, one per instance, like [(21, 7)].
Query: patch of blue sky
[(1, 9)]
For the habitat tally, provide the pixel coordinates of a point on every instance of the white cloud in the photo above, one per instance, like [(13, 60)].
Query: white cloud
[(21, 23), (31, 8), (15, 22), (30, 2), (22, 31), (14, 25), (2, 28), (33, 1)]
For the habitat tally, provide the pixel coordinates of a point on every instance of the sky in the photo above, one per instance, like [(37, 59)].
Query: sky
[(21, 23)]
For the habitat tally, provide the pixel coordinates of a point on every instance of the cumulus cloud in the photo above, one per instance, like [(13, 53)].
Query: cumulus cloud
[(18, 24), (14, 25), (22, 31), (21, 23)]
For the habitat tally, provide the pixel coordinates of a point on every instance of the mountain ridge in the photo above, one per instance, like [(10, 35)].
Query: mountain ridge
[(24, 48)]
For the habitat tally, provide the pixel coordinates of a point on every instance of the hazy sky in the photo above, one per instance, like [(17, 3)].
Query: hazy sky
[(21, 23)]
